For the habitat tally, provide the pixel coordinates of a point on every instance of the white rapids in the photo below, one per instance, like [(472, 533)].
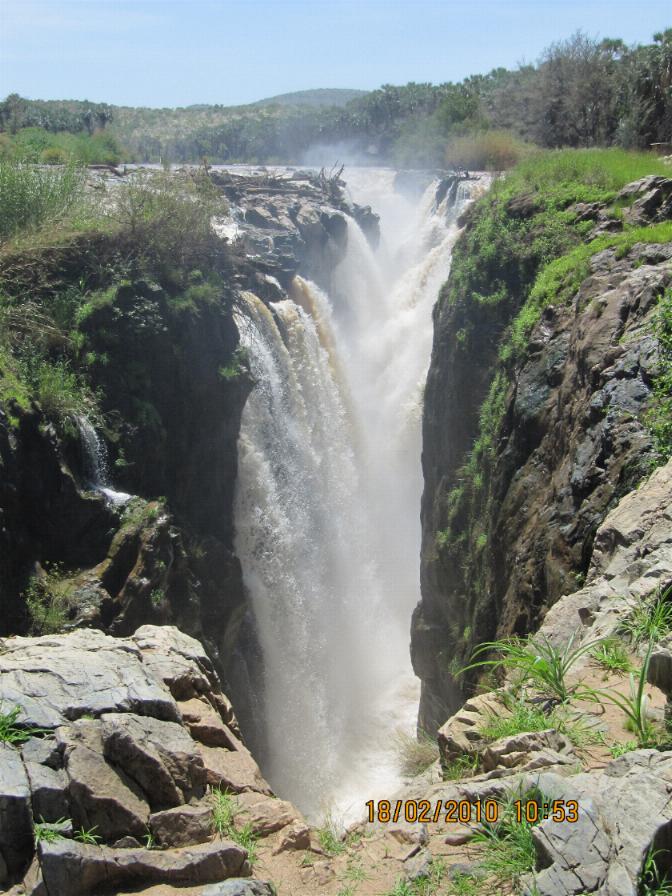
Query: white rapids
[(328, 501)]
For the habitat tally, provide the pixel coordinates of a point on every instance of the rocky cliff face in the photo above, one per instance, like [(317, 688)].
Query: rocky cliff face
[(563, 426)]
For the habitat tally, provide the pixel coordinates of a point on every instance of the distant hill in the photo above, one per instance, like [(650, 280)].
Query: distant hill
[(313, 99)]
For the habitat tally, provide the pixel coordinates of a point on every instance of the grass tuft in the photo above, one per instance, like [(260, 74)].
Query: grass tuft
[(415, 754), (223, 812)]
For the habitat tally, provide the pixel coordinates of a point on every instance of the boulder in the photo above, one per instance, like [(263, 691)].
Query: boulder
[(660, 667), (47, 788), (182, 825), (461, 733), (295, 836), (79, 869), (182, 664), (16, 820), (264, 814), (159, 756), (527, 751), (205, 724), (236, 771), (622, 810), (239, 887), (100, 795)]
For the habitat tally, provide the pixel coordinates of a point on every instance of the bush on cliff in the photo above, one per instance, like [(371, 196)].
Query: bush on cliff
[(486, 151)]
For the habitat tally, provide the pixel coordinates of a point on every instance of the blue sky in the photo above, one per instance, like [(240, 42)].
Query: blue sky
[(178, 52)]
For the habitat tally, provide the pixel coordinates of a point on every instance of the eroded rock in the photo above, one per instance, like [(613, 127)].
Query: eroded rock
[(78, 869)]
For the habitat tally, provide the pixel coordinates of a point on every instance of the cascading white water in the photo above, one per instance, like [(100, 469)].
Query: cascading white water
[(328, 501), (95, 463)]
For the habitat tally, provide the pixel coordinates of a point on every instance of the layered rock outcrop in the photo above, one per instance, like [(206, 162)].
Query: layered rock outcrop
[(116, 745)]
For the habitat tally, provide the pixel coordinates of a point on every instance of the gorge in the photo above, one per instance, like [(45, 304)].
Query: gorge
[(238, 464)]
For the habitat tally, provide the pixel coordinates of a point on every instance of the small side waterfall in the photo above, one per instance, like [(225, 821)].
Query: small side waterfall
[(328, 501), (96, 469)]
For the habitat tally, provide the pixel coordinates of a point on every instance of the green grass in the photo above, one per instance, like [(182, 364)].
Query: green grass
[(524, 717), (223, 813), (621, 748), (561, 172), (329, 839), (31, 197), (88, 836), (652, 880), (462, 767), (612, 656), (508, 843), (45, 832), (11, 732), (650, 619), (428, 885), (560, 279)]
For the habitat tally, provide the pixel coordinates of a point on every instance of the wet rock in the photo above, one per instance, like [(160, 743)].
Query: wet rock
[(572, 435)]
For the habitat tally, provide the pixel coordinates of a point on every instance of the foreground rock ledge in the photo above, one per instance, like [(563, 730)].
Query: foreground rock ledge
[(125, 738)]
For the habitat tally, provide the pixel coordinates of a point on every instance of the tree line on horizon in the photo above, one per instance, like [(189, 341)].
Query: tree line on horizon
[(582, 92)]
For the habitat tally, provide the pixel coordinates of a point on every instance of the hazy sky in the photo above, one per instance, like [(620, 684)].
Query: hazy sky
[(178, 52)]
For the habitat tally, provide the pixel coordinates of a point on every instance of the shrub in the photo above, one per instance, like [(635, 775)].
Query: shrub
[(48, 601), (168, 220), (486, 151), (535, 660)]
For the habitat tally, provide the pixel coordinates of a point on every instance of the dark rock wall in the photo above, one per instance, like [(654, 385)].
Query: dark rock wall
[(570, 443)]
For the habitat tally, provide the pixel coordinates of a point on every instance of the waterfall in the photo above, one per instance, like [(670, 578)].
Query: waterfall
[(328, 501), (96, 470)]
